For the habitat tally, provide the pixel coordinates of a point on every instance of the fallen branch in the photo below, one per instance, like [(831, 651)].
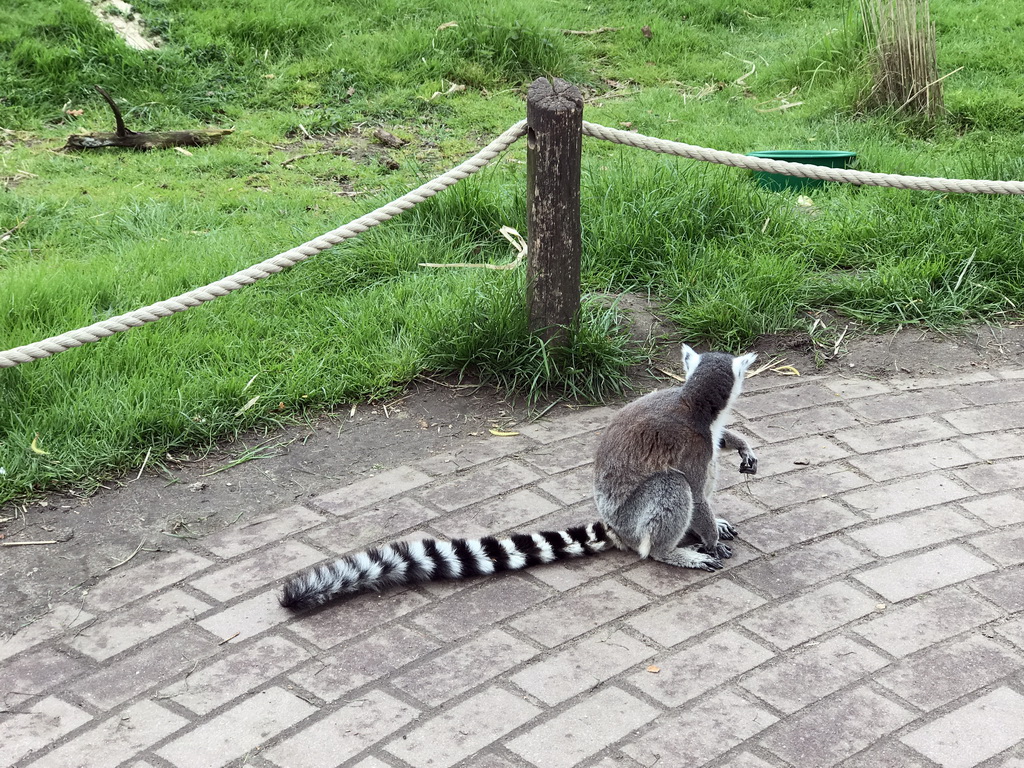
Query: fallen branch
[(122, 137)]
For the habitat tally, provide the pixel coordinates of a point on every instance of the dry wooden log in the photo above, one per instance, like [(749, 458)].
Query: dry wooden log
[(122, 137)]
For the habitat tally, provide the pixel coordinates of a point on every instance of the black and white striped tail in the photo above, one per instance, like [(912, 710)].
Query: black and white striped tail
[(403, 562)]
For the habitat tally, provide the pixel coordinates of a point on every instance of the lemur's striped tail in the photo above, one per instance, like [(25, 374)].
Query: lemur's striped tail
[(403, 562)]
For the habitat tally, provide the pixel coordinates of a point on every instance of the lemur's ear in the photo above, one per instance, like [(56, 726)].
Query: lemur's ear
[(690, 361), (740, 364)]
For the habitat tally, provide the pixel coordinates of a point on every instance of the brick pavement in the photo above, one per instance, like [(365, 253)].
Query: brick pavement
[(873, 614)]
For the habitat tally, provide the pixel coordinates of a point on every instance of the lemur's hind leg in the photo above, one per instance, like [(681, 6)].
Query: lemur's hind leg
[(663, 510)]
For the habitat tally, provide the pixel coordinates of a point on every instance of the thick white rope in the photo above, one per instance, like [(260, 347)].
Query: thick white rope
[(800, 169), (282, 261)]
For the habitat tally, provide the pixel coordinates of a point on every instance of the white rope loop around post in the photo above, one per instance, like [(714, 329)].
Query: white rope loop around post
[(803, 170), (273, 265)]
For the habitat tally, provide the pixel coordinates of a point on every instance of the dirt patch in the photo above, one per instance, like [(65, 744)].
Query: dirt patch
[(149, 510), (126, 22)]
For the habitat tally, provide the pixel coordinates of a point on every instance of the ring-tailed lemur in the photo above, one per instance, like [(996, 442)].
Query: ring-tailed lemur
[(655, 471)]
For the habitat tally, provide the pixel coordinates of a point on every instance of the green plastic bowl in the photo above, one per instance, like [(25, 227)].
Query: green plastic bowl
[(778, 182)]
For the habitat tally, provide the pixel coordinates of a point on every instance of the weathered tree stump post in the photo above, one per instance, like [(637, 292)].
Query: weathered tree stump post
[(554, 118)]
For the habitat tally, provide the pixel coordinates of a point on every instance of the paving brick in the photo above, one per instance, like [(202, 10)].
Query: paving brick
[(578, 612), (798, 487), (584, 729), (988, 418), (496, 599), (988, 393), (823, 668), (474, 662), (131, 584), (989, 478), (823, 420), (851, 389), (832, 730), (344, 733), (996, 445), (792, 456), (1013, 631), (236, 674), (928, 382), (116, 739), (905, 496), (462, 730), (247, 618), (1000, 510), (567, 574), (745, 760), (151, 665), (896, 434), (38, 726), (699, 734), (238, 730), (910, 532), (924, 622), (247, 535), (348, 618), (257, 571), (371, 490), (706, 665), (581, 667), (737, 506), (496, 516), (687, 615), (781, 400), (911, 576), (109, 637), (612, 761), (907, 404), (332, 675), (1005, 589), (570, 487), (1005, 547), (974, 732), (36, 673), (376, 525), (888, 753), (802, 618), (59, 620), (891, 464), (461, 458), (563, 455), (553, 429), (663, 579), (940, 674), (802, 567), (478, 485), (773, 532)]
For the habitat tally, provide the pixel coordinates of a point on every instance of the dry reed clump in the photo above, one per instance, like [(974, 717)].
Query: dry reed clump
[(905, 74)]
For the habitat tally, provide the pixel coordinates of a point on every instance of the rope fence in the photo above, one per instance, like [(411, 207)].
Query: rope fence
[(282, 261)]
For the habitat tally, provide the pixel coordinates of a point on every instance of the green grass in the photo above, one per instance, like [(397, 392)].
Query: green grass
[(99, 234)]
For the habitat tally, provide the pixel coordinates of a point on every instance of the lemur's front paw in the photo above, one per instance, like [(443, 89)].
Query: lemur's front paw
[(726, 530), (748, 464)]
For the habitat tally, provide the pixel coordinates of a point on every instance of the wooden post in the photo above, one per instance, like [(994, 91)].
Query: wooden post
[(554, 118)]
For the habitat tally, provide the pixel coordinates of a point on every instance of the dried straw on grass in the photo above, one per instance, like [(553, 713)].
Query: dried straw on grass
[(905, 68)]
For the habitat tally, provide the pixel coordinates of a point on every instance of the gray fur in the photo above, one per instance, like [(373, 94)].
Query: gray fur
[(657, 464)]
